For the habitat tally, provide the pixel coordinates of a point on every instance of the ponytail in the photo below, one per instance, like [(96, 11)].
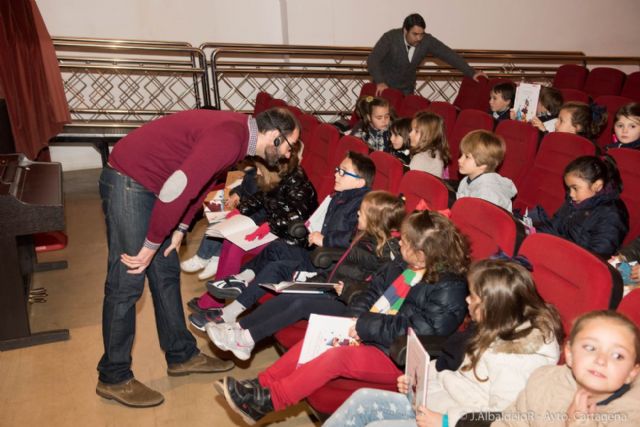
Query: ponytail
[(593, 168)]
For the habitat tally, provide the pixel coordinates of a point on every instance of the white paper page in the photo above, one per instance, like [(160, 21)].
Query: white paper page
[(324, 333)]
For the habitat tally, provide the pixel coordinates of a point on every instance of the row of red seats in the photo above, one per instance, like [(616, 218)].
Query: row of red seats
[(599, 81)]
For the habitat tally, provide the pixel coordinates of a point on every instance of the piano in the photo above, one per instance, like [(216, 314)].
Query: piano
[(31, 201)]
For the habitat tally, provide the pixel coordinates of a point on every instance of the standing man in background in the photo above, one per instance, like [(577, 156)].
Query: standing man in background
[(155, 182), (395, 58)]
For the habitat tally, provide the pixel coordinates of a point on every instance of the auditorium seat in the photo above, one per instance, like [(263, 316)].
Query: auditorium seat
[(262, 103), (448, 112), (543, 184), (631, 88), (630, 306), (570, 76), (416, 185), (570, 277), (473, 95), (521, 140), (394, 96), (604, 81), (389, 170), (569, 95), (467, 121), (317, 160), (411, 104), (488, 227), (612, 103), (629, 166)]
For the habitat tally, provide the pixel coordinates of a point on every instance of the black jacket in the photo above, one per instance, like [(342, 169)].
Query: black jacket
[(294, 199), (342, 217), (429, 308), (634, 145), (598, 224)]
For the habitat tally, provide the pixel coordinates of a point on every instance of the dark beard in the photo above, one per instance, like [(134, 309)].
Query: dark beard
[(271, 156)]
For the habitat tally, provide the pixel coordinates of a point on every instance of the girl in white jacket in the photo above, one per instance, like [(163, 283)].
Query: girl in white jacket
[(516, 333)]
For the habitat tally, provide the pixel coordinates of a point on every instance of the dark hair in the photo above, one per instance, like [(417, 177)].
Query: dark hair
[(487, 148), (508, 299), (365, 106), (413, 20), (444, 247), (363, 166), (592, 168), (551, 99), (588, 119), (630, 110), (623, 320), (402, 127), (384, 213), (507, 90), (433, 139), (279, 119)]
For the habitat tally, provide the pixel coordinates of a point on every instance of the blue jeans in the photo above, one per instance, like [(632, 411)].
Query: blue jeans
[(127, 209), (209, 247), (371, 407)]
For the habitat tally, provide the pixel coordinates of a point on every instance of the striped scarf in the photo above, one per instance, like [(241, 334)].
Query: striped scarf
[(393, 298)]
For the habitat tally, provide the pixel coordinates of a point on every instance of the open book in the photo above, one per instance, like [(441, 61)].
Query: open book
[(417, 370), (324, 333), (315, 221), (299, 287), (526, 101), (235, 229)]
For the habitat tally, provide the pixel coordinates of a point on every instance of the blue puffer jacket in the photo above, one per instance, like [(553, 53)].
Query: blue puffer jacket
[(429, 308), (342, 217), (598, 224)]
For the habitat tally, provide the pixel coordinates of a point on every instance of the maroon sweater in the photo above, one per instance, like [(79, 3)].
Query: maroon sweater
[(194, 146)]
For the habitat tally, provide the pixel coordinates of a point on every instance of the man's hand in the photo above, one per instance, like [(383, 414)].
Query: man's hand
[(479, 74), (381, 87), (176, 241), (138, 263)]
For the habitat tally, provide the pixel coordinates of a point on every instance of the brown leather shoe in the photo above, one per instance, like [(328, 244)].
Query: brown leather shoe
[(130, 393), (200, 364)]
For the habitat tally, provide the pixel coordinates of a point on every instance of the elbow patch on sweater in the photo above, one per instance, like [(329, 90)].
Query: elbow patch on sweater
[(173, 187)]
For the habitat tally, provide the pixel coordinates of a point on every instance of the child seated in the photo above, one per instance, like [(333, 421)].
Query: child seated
[(516, 333), (549, 104), (626, 127), (373, 128), (597, 387), (280, 260), (581, 119), (501, 101), (429, 149), (380, 215), (592, 216), (400, 142), (631, 253), (481, 153), (424, 291)]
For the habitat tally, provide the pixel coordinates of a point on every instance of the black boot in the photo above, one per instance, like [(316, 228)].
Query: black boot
[(252, 403)]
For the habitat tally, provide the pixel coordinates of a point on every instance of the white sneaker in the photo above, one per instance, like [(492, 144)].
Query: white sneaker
[(210, 269), (228, 337), (193, 264)]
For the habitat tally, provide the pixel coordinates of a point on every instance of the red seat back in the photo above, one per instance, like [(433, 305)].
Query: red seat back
[(367, 89), (416, 185), (578, 95), (631, 88), (569, 277), (389, 170), (521, 141), (308, 124), (394, 96), (448, 112), (604, 81), (570, 76), (487, 226), (467, 121), (276, 102), (612, 103), (630, 306), (317, 158), (629, 166), (411, 104), (338, 153), (262, 103), (473, 95), (544, 182)]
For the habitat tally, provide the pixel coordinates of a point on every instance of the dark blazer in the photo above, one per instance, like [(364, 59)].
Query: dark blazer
[(429, 308), (389, 61)]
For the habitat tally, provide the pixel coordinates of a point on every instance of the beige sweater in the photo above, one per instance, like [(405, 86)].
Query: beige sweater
[(548, 395)]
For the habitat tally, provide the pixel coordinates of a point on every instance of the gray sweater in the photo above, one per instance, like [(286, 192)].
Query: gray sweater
[(389, 63), (490, 187)]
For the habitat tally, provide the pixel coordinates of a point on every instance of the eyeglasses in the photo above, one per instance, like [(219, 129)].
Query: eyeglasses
[(343, 172), (285, 139)]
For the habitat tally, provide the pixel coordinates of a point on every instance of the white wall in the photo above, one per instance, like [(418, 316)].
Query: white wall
[(591, 26)]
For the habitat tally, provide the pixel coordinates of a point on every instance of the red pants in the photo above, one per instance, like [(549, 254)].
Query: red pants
[(289, 385)]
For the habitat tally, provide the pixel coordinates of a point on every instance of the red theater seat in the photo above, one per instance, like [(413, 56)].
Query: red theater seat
[(629, 166), (631, 88), (389, 170), (604, 81), (467, 121), (521, 140), (570, 76), (411, 104), (448, 112), (630, 306), (416, 185)]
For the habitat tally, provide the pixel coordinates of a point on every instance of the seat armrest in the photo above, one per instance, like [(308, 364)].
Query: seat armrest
[(297, 230), (432, 343), (324, 257)]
